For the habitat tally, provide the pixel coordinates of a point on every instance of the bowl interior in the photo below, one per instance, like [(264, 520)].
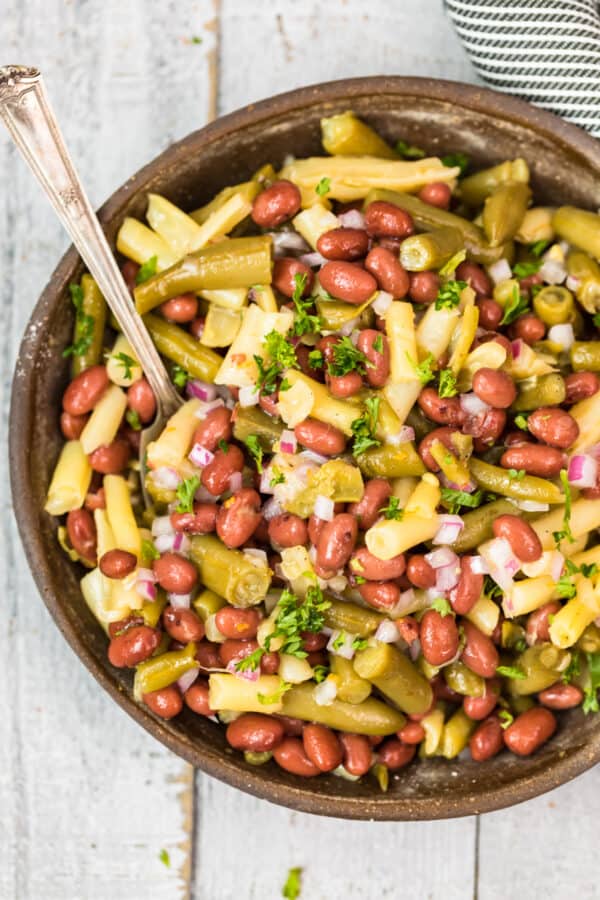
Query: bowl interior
[(441, 117)]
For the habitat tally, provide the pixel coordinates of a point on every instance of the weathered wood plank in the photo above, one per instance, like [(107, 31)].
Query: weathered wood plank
[(87, 799)]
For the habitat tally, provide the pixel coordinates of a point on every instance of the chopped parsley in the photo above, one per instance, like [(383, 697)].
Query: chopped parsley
[(565, 531), (323, 187), (360, 643), (516, 306), (455, 499), (180, 376), (450, 160), (165, 858), (84, 325), (276, 696), (346, 358), (447, 386), (363, 428), (565, 587), (295, 617), (315, 359), (588, 569), (304, 322), (538, 248), (524, 269), (256, 451), (453, 263), (392, 510), (223, 445), (251, 662), (423, 370), (590, 700), (490, 588), (280, 350), (521, 421), (185, 493), (408, 151), (515, 672), (149, 551), (277, 477), (146, 270), (377, 344), (282, 356), (506, 718), (127, 362), (293, 885), (320, 673), (133, 419), (339, 641), (573, 669), (266, 382), (448, 296), (442, 606), (516, 474)]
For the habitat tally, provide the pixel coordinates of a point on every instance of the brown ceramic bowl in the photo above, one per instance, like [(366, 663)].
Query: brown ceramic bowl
[(442, 117)]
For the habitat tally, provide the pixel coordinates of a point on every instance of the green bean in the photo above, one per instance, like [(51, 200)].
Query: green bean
[(589, 641), (554, 305), (350, 687), (160, 671), (89, 325), (478, 524), (257, 759), (455, 736), (229, 573), (334, 314), (585, 356), (538, 673), (579, 227), (418, 420), (253, 420), (207, 603), (500, 481), (346, 135), (353, 619), (546, 390), (369, 717), (151, 612), (475, 188), (430, 250), (234, 263), (511, 634), (504, 210), (587, 273), (395, 676), (181, 348), (461, 679), (248, 189), (391, 461)]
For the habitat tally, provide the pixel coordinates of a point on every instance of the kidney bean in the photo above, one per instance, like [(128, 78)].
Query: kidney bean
[(85, 390), (313, 641), (357, 753), (386, 220), (269, 402), (129, 271), (479, 708), (530, 730), (444, 410), (290, 755), (408, 628), (494, 387), (424, 286), (166, 703), (380, 594), (196, 698), (110, 459), (320, 437), (468, 590), (315, 527), (302, 354), (182, 625), (133, 646), (439, 637), (444, 435), (180, 309), (490, 313), (420, 573), (202, 521), (343, 244), (233, 650), (523, 540), (377, 371), (284, 275), (476, 278), (197, 327), (527, 328), (366, 565), (412, 733), (581, 385), (390, 275), (317, 658), (336, 542), (479, 653), (95, 500), (116, 628), (276, 204), (175, 574), (215, 476), (141, 399), (375, 497), (537, 630), (240, 624), (554, 427), (561, 696), (72, 426), (436, 193), (292, 727), (255, 732), (287, 530), (485, 427), (394, 754), (117, 563), (517, 439), (208, 656), (347, 281), (535, 459), (214, 428), (269, 663), (81, 531), (322, 747), (487, 740), (238, 517), (342, 386)]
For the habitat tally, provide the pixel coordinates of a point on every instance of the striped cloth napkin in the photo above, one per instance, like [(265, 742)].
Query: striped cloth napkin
[(546, 51)]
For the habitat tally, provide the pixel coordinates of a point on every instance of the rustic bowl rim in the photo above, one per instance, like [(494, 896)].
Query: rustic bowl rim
[(383, 807)]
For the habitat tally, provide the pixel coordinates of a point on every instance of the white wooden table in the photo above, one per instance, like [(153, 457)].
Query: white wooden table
[(87, 799)]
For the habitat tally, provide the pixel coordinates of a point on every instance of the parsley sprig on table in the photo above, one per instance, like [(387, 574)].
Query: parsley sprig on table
[(364, 427), (84, 325)]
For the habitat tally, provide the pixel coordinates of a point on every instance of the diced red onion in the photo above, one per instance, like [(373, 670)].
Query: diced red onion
[(187, 679), (200, 456), (345, 641), (271, 509), (203, 496), (450, 528), (287, 240), (355, 336), (208, 407), (348, 327), (164, 542), (162, 525), (145, 575), (248, 396), (414, 650), (179, 601), (246, 674), (446, 578), (312, 259), (337, 584), (501, 561), (325, 693), (572, 283), (166, 477), (288, 442), (478, 565), (312, 553), (387, 632), (404, 435), (557, 565), (500, 271), (468, 488), (473, 405), (255, 556), (181, 543), (562, 334), (147, 590), (583, 471), (265, 481), (323, 508), (406, 601), (382, 303), (352, 218), (202, 390), (235, 482), (531, 505), (552, 271), (437, 559), (516, 347)]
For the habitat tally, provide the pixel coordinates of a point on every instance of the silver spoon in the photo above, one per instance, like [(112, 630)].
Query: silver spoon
[(32, 124)]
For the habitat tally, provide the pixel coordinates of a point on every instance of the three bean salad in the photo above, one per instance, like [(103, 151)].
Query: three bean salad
[(373, 530)]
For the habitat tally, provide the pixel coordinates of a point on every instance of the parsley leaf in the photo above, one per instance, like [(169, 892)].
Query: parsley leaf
[(323, 187), (441, 606), (195, 39), (363, 428), (133, 419), (165, 858), (516, 474), (256, 451), (423, 370), (447, 386), (179, 376), (280, 350), (223, 445), (516, 306), (407, 151), (185, 493), (292, 887), (320, 673), (456, 159), (346, 358), (276, 696), (266, 382), (565, 587), (590, 701), (149, 551), (84, 325), (515, 672), (490, 588), (304, 322), (524, 269), (339, 641), (127, 362), (538, 248), (521, 421), (377, 344), (565, 532), (455, 499), (573, 669), (359, 643), (392, 510), (315, 359), (588, 569), (506, 718), (294, 617), (146, 270), (277, 477), (251, 662), (448, 296)]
